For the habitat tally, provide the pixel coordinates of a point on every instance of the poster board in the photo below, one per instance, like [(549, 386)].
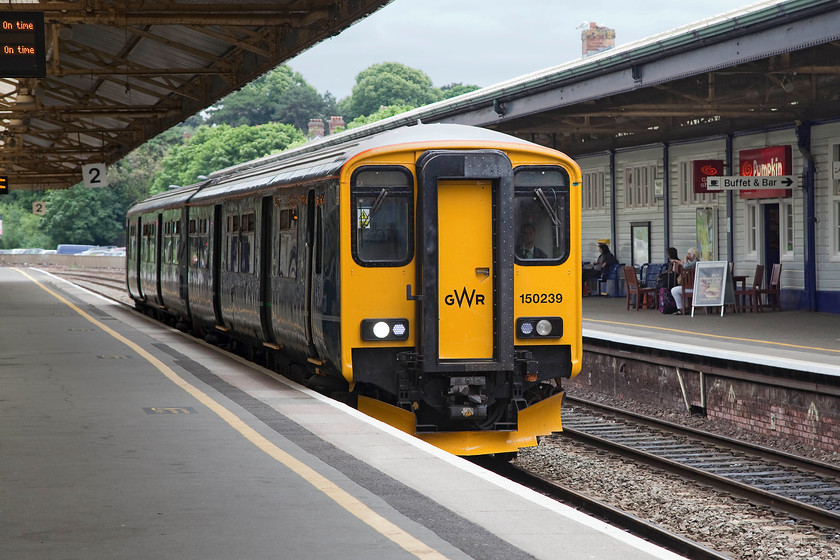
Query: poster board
[(713, 286)]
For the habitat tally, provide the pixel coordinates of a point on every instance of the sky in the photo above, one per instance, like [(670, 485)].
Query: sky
[(485, 42)]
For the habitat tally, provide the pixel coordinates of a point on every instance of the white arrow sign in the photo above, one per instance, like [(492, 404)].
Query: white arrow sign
[(737, 183)]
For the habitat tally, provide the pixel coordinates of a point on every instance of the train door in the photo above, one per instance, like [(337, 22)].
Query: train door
[(135, 232), (311, 236), (268, 240), (466, 271), (157, 240), (216, 263), (465, 206)]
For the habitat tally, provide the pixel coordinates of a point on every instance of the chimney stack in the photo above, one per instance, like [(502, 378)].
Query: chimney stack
[(336, 122), (597, 39), (316, 128)]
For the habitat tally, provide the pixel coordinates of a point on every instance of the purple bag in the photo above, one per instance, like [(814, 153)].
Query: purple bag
[(667, 304)]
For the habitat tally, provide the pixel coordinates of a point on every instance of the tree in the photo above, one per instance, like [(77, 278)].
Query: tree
[(214, 148), (382, 113), (281, 95), (86, 216), (20, 225), (388, 84), (298, 103), (454, 90)]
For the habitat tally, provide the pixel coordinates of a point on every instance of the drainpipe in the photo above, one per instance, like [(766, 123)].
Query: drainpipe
[(803, 142), (666, 192), (613, 210), (730, 202)]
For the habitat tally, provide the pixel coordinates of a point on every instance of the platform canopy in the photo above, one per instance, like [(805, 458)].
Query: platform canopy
[(118, 73)]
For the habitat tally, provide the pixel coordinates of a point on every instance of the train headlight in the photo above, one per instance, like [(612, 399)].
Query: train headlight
[(543, 327), (384, 329), (539, 327)]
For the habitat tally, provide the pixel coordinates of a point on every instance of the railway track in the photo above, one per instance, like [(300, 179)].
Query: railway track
[(651, 532), (802, 488)]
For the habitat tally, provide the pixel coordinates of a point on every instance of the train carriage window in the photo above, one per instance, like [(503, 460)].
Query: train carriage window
[(193, 243), (176, 240), (204, 243), (246, 242), (168, 242), (232, 243), (541, 215), (131, 248), (383, 209), (287, 257)]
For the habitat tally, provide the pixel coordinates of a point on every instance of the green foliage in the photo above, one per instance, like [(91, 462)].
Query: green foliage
[(20, 225), (388, 84), (87, 216), (214, 148), (382, 113), (454, 90), (280, 95)]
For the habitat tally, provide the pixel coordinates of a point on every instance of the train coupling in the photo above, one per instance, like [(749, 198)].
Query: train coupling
[(467, 398)]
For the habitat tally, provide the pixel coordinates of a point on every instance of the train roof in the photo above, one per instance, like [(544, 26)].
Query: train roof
[(320, 158), (326, 157), (174, 198)]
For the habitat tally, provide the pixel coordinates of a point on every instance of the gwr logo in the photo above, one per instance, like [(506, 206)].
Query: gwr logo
[(469, 298)]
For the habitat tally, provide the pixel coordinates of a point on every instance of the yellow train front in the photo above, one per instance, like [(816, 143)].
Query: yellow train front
[(460, 287), (429, 274)]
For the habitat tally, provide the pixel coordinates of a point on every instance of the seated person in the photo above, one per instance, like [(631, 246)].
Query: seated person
[(687, 264), (668, 279), (526, 248), (601, 265)]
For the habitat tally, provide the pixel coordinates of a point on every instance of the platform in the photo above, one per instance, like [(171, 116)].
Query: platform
[(122, 438), (797, 340)]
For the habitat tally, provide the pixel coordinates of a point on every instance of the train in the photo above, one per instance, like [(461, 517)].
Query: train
[(428, 275)]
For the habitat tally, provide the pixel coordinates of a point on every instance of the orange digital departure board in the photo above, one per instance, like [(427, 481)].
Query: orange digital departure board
[(22, 52)]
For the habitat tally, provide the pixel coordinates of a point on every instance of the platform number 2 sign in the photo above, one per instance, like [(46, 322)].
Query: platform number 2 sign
[(95, 175)]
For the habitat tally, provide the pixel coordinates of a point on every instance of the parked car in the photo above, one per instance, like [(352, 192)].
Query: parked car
[(72, 249)]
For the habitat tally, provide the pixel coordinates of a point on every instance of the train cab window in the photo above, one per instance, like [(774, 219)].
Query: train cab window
[(541, 215), (382, 223)]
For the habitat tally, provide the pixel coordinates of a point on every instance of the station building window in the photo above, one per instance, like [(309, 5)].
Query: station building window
[(835, 200), (788, 230), (639, 185), (751, 230), (593, 192)]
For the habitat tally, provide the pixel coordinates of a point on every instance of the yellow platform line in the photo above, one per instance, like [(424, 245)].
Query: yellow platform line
[(694, 333), (351, 504)]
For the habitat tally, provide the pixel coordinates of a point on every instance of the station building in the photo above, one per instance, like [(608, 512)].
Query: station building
[(752, 92)]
